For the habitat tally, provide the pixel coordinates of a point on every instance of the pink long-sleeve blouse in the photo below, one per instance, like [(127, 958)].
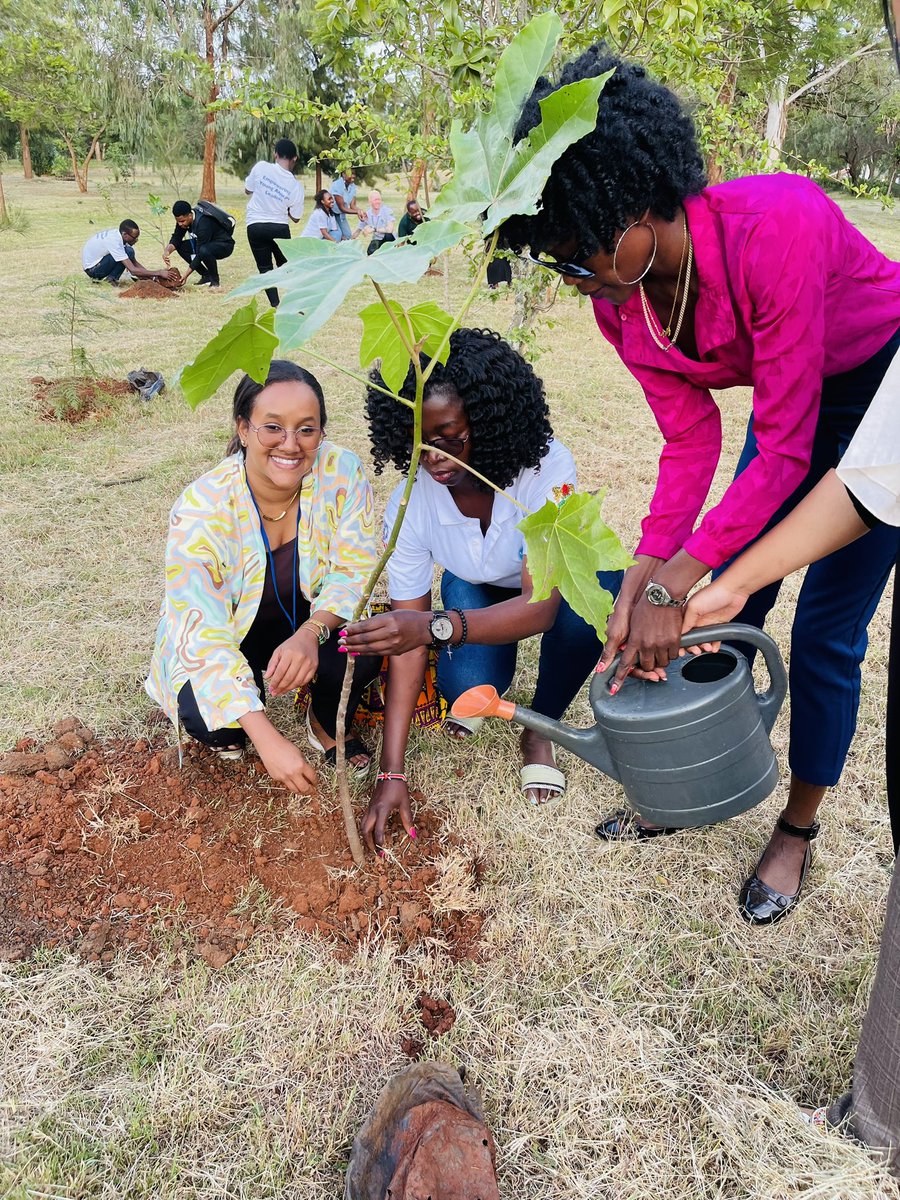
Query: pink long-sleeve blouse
[(790, 293)]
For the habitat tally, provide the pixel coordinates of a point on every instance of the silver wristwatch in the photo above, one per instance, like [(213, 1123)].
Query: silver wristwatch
[(658, 595), (441, 628)]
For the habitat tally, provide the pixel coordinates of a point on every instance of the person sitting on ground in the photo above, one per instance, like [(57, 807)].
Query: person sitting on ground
[(486, 408), (276, 196), (201, 238), (267, 555), (343, 190), (111, 251), (411, 219), (380, 220), (323, 221)]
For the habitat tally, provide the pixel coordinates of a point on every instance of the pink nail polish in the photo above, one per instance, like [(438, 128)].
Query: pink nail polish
[(613, 689), (412, 831), (354, 653), (381, 854), (343, 650)]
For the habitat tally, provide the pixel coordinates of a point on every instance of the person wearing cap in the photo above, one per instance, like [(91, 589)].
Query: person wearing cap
[(201, 240), (276, 197)]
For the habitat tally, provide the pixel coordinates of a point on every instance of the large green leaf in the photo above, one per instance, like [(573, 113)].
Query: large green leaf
[(490, 174), (245, 343), (567, 544), (318, 275), (424, 325)]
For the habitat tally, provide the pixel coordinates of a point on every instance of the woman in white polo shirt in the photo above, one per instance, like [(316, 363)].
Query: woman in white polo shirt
[(323, 222), (487, 408)]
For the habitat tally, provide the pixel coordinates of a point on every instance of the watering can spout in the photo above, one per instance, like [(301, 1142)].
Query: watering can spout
[(484, 701)]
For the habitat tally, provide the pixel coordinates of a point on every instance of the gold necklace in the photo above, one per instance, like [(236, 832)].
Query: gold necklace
[(684, 246), (650, 316), (281, 516)]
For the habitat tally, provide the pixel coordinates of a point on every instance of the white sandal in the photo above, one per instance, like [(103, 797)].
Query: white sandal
[(469, 724), (228, 753), (330, 756), (541, 777)]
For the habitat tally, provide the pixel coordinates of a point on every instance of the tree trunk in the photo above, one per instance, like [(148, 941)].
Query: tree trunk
[(4, 214), (208, 186), (776, 119), (76, 171), (318, 177), (415, 179), (26, 152)]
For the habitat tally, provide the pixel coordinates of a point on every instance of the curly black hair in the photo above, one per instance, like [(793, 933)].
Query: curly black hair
[(503, 398), (642, 153)]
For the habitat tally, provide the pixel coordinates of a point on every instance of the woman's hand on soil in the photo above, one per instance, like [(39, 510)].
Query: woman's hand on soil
[(391, 633), (294, 663), (390, 795), (286, 764)]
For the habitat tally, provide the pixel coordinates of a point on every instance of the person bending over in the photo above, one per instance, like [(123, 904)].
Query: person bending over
[(267, 555), (759, 282), (487, 409), (202, 236), (111, 251)]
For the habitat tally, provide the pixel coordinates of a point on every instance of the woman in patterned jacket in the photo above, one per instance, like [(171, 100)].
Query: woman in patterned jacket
[(267, 556)]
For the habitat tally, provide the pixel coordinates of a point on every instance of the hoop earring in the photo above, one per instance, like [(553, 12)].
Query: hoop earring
[(631, 282)]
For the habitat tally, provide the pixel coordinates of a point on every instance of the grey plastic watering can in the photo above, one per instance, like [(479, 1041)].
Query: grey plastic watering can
[(691, 751)]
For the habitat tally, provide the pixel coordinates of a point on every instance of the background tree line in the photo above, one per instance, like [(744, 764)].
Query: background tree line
[(802, 84)]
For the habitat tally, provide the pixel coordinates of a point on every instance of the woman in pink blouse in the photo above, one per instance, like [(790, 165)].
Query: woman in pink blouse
[(759, 282)]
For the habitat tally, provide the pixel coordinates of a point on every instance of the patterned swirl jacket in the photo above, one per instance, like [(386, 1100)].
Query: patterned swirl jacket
[(216, 568)]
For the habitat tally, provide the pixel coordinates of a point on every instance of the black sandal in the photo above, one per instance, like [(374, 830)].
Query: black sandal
[(760, 904), (622, 826), (352, 747)]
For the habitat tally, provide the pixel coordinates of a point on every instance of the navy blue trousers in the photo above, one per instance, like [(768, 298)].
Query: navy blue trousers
[(839, 594), (108, 268), (569, 650)]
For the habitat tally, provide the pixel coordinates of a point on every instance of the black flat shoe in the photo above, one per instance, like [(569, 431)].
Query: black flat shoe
[(622, 826), (760, 904)]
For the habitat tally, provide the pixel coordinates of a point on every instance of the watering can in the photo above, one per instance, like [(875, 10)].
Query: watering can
[(691, 751)]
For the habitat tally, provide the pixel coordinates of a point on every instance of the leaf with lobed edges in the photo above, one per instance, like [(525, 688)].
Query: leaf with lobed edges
[(566, 545), (424, 325), (246, 342)]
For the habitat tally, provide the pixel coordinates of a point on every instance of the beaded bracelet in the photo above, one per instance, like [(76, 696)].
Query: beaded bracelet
[(465, 629), (323, 632)]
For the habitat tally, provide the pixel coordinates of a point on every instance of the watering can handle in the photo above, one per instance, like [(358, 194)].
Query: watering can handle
[(771, 700)]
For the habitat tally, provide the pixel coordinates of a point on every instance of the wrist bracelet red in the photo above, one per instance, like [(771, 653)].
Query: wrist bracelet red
[(391, 775)]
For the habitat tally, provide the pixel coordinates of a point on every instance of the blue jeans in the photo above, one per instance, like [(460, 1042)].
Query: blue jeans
[(108, 268), (839, 594), (343, 224), (569, 650)]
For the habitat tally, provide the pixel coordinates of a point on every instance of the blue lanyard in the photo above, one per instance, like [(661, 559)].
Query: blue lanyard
[(290, 617)]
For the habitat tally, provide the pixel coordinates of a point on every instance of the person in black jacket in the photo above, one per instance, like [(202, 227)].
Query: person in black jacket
[(201, 237)]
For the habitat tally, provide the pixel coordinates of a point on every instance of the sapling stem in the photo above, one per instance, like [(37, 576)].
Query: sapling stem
[(363, 379)]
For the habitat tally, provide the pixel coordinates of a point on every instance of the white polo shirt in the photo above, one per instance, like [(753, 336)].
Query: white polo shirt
[(436, 532), (107, 241), (319, 219), (276, 194)]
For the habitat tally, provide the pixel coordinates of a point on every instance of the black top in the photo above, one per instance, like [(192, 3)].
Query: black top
[(270, 626), (204, 229)]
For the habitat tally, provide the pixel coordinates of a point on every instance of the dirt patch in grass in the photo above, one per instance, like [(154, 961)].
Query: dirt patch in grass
[(149, 289), (77, 397), (109, 844)]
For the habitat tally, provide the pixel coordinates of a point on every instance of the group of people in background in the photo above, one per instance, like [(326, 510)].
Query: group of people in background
[(204, 233), (758, 282)]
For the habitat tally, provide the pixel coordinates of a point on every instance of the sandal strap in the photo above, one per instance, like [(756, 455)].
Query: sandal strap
[(805, 832)]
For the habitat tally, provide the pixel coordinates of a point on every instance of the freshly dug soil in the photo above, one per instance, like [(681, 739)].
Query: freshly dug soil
[(149, 289), (105, 845), (77, 398)]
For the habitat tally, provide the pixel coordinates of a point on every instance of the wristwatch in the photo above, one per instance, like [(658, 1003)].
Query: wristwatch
[(658, 595), (441, 628)]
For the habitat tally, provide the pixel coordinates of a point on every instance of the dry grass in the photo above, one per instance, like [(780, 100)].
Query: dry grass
[(633, 1038)]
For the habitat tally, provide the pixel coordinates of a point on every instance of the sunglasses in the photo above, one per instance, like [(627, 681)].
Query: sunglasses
[(450, 445), (575, 270)]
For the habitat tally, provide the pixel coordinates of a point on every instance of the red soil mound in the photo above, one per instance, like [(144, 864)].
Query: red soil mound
[(77, 397), (149, 289), (108, 844)]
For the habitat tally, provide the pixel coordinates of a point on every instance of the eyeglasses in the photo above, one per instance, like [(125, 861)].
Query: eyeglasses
[(446, 445), (272, 434), (562, 268)]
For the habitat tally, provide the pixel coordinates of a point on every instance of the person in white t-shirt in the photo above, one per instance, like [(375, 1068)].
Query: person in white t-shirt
[(276, 196), (111, 251), (379, 220), (486, 408), (322, 221)]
